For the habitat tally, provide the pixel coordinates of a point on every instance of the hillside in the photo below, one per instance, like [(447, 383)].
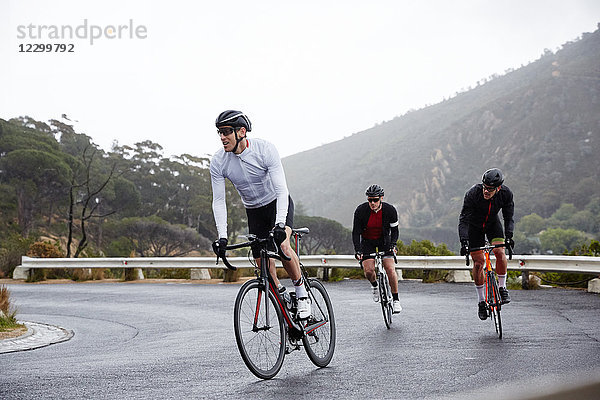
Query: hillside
[(540, 124)]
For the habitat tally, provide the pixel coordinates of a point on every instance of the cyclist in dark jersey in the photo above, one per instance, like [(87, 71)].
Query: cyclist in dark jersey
[(478, 219), (376, 226)]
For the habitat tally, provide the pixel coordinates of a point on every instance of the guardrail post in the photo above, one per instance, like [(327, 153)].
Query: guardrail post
[(21, 272), (524, 276), (399, 274), (323, 273), (594, 286), (199, 274), (525, 280)]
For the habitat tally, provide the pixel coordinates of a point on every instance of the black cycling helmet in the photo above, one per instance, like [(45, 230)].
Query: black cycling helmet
[(235, 119), (374, 191), (492, 177)]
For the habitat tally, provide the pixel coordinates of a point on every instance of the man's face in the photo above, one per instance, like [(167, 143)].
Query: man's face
[(489, 191), (227, 135), (374, 203)]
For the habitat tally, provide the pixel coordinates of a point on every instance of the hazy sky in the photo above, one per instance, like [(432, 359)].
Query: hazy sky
[(305, 72)]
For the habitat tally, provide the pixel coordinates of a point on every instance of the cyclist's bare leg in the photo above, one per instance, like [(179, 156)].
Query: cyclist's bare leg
[(478, 263), (292, 267), (369, 269), (390, 269), (272, 269), (501, 263)]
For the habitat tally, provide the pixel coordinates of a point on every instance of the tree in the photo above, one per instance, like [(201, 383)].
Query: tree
[(564, 212), (155, 237), (37, 177), (559, 240), (88, 187), (423, 248), (326, 236), (531, 224)]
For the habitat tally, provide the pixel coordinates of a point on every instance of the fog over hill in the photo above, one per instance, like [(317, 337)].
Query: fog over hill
[(540, 124)]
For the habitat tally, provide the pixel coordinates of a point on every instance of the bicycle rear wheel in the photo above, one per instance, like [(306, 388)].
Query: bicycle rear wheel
[(319, 337), (261, 345), (495, 303), (385, 298)]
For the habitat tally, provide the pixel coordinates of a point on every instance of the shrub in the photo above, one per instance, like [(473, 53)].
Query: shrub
[(46, 250), (423, 248), (13, 248), (8, 319)]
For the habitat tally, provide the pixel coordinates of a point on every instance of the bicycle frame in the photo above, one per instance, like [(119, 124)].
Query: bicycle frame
[(265, 323), (492, 294), (267, 283), (385, 291)]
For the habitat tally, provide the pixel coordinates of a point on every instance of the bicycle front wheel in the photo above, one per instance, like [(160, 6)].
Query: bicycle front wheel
[(385, 298), (319, 335), (261, 343), (495, 303)]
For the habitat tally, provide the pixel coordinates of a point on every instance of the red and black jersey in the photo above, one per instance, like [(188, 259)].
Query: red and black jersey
[(363, 224)]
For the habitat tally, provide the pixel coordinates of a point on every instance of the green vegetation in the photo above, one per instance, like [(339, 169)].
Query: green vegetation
[(8, 313), (423, 248), (568, 229)]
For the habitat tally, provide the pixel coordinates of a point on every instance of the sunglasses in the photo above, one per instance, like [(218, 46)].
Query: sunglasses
[(489, 188), (225, 131), (374, 200)]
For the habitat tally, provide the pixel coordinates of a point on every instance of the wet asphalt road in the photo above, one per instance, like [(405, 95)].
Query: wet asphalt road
[(175, 340)]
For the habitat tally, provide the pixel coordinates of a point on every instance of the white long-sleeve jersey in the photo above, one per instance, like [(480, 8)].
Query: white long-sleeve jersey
[(256, 173)]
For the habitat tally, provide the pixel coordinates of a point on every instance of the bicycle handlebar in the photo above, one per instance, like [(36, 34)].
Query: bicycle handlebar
[(489, 247), (251, 240)]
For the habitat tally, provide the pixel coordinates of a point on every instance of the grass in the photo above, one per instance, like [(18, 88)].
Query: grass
[(8, 314)]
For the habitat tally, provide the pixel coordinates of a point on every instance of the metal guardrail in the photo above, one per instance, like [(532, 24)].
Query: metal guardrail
[(577, 264)]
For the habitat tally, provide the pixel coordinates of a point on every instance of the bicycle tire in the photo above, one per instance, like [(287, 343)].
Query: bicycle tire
[(262, 349), (385, 299), (319, 343), (495, 303)]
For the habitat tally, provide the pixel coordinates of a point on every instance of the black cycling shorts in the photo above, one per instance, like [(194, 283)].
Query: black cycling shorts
[(371, 246), (492, 231), (261, 221)]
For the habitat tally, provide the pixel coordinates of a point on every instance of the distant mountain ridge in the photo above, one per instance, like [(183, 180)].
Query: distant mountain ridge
[(540, 124)]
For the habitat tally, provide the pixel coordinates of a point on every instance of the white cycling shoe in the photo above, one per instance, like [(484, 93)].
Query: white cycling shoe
[(303, 308), (397, 307), (375, 294)]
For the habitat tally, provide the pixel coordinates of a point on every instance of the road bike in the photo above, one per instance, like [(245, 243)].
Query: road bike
[(492, 294), (265, 320), (385, 291)]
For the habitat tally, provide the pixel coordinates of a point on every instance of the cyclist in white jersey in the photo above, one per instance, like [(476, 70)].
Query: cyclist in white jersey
[(254, 167)]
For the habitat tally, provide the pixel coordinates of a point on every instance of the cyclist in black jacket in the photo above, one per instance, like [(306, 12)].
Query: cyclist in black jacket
[(479, 218), (376, 226)]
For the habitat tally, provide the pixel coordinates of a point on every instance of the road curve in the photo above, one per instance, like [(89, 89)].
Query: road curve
[(175, 340)]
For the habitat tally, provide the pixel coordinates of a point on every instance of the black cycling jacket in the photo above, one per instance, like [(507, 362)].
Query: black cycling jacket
[(389, 224), (477, 211)]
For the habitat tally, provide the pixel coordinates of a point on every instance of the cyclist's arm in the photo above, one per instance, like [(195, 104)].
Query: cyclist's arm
[(508, 210), (356, 231), (219, 206), (463, 219), (277, 175), (394, 225)]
